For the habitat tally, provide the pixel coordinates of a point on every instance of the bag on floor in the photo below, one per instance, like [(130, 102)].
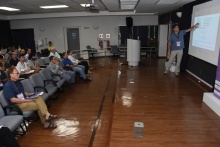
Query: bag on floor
[(173, 65)]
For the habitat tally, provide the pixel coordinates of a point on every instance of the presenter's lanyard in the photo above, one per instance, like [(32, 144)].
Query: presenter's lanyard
[(177, 36)]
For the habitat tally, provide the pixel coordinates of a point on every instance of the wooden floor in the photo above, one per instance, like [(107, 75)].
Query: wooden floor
[(102, 113)]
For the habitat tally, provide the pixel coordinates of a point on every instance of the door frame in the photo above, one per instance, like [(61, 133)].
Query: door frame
[(65, 36)]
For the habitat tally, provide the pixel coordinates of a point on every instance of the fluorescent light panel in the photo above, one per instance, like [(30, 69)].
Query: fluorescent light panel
[(128, 4), (128, 0), (167, 2), (9, 9), (54, 6), (85, 5)]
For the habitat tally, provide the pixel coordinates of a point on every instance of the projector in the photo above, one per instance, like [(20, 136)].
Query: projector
[(94, 8)]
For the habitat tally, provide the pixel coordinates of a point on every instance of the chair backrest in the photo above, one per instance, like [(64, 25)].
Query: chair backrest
[(2, 113), (88, 47), (28, 87), (61, 64), (46, 74), (41, 62), (114, 49), (46, 60), (39, 54), (36, 80), (6, 72), (3, 100)]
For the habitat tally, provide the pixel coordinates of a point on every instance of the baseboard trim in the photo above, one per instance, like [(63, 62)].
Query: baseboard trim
[(207, 87)]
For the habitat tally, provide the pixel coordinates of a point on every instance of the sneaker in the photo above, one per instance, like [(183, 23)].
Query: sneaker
[(177, 74), (87, 80), (165, 72)]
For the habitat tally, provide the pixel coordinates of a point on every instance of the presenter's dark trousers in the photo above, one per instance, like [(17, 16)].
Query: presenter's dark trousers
[(7, 138)]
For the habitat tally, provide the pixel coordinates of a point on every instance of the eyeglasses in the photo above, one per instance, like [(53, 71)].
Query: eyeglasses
[(16, 73)]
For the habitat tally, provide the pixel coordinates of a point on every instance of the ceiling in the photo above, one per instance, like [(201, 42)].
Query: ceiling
[(32, 6)]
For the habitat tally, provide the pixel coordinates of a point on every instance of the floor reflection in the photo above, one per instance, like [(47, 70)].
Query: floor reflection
[(127, 99), (66, 127)]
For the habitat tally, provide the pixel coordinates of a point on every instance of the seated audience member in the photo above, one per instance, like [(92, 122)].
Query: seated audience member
[(7, 138), (3, 64), (19, 47), (14, 60), (68, 63), (3, 77), (13, 49), (32, 63), (4, 50), (53, 52), (75, 61), (8, 55), (13, 91), (23, 51), (19, 51), (54, 67), (27, 54), (22, 66), (50, 46), (1, 53)]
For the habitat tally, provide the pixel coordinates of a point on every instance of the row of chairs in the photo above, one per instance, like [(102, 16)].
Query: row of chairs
[(13, 117), (43, 62)]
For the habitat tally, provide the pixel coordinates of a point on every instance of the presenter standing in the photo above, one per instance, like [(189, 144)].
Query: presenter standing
[(175, 46)]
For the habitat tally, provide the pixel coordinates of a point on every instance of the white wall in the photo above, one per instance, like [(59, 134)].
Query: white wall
[(54, 29)]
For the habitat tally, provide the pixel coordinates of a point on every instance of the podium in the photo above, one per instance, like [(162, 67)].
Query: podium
[(133, 52)]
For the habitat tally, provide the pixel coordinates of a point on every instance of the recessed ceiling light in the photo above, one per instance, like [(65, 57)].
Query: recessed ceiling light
[(167, 2), (54, 6), (9, 9)]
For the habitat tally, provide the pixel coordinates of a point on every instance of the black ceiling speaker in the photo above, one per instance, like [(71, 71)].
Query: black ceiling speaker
[(129, 22)]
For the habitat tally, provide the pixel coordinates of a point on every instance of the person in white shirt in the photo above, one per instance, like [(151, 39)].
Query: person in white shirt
[(22, 66), (53, 52), (79, 63)]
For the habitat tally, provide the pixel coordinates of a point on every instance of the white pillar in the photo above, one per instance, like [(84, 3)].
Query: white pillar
[(133, 52)]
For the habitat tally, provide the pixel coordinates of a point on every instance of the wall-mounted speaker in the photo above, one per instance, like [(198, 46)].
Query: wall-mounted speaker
[(129, 22)]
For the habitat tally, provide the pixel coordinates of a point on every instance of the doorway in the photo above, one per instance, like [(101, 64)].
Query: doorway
[(73, 38)]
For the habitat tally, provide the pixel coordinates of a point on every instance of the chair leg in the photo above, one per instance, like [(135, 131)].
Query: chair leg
[(48, 103), (21, 131), (61, 89), (57, 95)]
